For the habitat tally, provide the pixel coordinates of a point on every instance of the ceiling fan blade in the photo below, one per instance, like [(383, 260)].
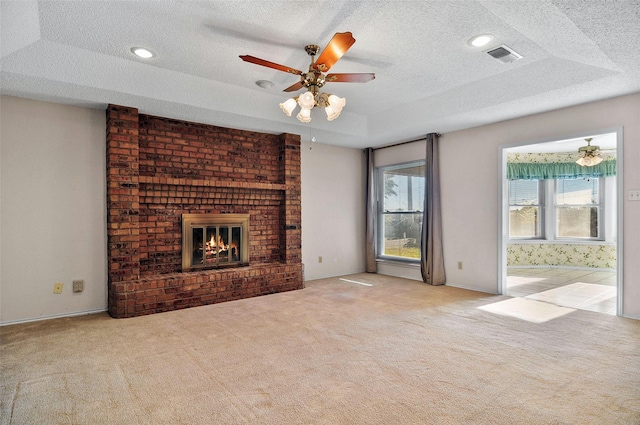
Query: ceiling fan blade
[(350, 78), (338, 46), (297, 86), (258, 61)]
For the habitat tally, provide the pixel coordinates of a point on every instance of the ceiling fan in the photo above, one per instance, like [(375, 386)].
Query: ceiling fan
[(315, 78), (589, 155)]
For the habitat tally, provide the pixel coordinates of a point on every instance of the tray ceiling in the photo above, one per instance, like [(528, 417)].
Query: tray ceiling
[(428, 79)]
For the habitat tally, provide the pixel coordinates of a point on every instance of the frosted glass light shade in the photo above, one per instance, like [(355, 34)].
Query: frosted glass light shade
[(288, 106), (306, 100), (337, 103), (589, 161), (304, 115), (332, 114)]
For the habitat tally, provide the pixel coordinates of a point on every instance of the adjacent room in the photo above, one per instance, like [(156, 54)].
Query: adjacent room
[(336, 212), (563, 223)]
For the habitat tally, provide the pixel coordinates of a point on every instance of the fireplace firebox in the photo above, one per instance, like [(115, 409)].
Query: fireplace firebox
[(212, 241)]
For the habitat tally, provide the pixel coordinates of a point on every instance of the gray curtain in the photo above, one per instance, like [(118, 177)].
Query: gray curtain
[(370, 244), (432, 260)]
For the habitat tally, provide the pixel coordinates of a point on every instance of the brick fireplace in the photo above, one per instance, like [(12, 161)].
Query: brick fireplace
[(158, 170)]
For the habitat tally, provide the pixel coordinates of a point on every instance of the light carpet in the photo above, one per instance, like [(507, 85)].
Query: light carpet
[(336, 352)]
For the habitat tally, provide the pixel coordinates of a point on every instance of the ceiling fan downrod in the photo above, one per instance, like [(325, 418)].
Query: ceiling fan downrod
[(313, 78)]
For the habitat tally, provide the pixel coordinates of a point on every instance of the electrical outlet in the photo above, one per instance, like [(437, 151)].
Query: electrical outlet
[(634, 195), (57, 288), (459, 265), (78, 285), (320, 259)]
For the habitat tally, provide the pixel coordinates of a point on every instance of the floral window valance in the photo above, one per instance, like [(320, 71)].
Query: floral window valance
[(539, 166)]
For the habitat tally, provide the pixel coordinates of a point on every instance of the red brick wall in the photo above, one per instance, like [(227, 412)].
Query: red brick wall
[(158, 169)]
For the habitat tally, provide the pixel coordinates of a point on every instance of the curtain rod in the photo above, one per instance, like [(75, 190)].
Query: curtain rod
[(404, 143)]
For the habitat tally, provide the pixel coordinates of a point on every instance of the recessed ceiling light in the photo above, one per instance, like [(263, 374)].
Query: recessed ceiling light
[(142, 52), (481, 40), (264, 84)]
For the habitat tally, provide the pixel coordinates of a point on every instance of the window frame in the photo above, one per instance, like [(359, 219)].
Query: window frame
[(381, 213), (549, 215), (600, 208)]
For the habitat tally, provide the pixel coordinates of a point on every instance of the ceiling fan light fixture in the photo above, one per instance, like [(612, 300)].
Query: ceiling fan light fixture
[(288, 106), (589, 155)]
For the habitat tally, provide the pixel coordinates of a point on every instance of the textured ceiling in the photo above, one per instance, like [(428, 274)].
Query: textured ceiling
[(428, 79)]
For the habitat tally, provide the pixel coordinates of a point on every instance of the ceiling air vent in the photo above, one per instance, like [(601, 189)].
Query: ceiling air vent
[(504, 54)]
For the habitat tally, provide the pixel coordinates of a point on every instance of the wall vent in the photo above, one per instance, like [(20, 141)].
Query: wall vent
[(504, 54)]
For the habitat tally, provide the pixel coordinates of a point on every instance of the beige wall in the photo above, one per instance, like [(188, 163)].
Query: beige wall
[(52, 209), (470, 181), (52, 180), (333, 200), (52, 212)]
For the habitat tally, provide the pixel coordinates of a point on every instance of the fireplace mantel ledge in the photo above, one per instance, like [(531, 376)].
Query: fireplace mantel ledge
[(211, 183)]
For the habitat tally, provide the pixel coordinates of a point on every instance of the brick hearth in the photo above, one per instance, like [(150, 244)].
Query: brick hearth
[(158, 169)]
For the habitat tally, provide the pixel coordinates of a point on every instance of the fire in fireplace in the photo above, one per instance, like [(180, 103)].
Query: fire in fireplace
[(214, 241)]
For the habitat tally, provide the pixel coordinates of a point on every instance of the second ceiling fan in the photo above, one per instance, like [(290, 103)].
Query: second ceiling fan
[(315, 78)]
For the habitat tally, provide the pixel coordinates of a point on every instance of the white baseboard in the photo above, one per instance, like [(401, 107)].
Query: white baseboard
[(55, 316)]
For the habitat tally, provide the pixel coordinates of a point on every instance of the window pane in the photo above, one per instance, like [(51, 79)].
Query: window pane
[(578, 222), (404, 189), (525, 209), (523, 192), (402, 235), (523, 222), (577, 192), (577, 202), (401, 202)]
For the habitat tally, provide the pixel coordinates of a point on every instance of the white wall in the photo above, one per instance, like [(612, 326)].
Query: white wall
[(469, 167), (333, 210), (52, 211)]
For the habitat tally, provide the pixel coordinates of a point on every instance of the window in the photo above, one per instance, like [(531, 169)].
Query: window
[(526, 203), (400, 203), (577, 205)]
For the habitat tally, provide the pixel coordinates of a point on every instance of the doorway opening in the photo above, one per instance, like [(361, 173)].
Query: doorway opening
[(561, 222)]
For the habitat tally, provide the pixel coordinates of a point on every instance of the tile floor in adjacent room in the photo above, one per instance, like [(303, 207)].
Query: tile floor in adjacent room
[(580, 289)]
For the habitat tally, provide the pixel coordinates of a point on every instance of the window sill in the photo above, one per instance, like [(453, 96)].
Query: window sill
[(399, 263), (557, 242)]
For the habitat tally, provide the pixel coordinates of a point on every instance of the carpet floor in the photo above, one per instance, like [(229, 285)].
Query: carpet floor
[(337, 352)]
